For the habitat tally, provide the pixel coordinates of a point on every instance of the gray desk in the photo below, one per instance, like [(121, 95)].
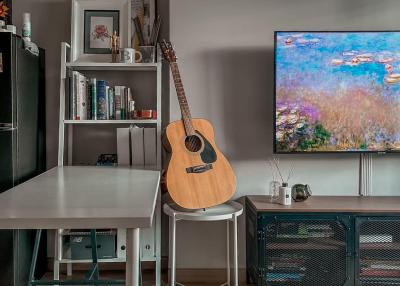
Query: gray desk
[(86, 197)]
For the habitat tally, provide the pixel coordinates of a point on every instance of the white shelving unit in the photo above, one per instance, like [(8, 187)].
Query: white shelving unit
[(150, 238)]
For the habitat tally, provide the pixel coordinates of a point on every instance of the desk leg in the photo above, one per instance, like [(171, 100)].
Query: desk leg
[(133, 257)]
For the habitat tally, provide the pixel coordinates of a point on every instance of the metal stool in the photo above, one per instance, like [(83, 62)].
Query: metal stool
[(228, 211)]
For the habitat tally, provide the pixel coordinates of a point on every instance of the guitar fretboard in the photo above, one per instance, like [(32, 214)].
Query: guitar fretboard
[(183, 104)]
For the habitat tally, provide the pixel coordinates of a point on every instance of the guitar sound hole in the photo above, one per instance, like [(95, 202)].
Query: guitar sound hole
[(193, 143)]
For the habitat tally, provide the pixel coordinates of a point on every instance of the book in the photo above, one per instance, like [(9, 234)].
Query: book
[(123, 147), (137, 146), (107, 103), (93, 95), (73, 95), (127, 98), (118, 94), (111, 104), (376, 238), (150, 147), (81, 112), (88, 100), (101, 100)]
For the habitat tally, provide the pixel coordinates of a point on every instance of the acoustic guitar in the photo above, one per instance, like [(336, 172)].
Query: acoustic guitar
[(198, 174)]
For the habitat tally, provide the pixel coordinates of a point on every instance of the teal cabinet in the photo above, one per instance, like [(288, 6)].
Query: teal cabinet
[(314, 249)]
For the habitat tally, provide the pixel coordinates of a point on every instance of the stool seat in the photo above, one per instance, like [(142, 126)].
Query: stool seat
[(221, 212)]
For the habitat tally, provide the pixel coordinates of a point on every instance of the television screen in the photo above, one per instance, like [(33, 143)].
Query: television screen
[(337, 92)]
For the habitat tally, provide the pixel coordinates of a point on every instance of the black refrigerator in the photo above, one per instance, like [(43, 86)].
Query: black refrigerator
[(22, 144)]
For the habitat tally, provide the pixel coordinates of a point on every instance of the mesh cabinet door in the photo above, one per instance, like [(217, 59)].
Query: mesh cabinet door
[(378, 251), (306, 251)]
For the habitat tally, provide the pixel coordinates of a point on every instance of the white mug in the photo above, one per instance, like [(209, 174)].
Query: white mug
[(128, 56)]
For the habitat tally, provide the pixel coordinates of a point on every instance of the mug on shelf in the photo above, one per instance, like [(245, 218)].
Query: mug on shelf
[(128, 56), (148, 53)]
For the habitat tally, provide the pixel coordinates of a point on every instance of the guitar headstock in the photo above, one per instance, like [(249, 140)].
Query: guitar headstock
[(168, 51)]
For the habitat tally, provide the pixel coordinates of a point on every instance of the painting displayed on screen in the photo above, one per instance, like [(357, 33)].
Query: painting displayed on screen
[(337, 91)]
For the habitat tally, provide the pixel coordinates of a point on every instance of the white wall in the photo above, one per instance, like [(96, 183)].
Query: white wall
[(225, 51)]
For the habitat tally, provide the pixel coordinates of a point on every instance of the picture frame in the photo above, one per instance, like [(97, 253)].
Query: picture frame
[(85, 10), (99, 26), (6, 11)]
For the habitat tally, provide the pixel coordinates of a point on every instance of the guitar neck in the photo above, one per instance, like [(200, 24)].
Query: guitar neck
[(183, 104)]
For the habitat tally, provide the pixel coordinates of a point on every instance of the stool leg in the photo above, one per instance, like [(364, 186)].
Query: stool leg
[(235, 252), (172, 250), (228, 250)]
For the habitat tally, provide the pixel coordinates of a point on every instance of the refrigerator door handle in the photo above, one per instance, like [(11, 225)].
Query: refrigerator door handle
[(6, 127)]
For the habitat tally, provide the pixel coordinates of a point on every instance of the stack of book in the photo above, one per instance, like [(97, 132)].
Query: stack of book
[(380, 270), (92, 99), (294, 230), (286, 268)]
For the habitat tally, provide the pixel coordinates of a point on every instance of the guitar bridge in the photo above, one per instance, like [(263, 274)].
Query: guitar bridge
[(199, 169)]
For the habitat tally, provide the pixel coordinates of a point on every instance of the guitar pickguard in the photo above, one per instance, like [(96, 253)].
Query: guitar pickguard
[(208, 155)]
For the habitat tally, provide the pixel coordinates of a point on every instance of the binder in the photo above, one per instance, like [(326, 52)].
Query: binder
[(123, 147), (150, 147), (137, 147)]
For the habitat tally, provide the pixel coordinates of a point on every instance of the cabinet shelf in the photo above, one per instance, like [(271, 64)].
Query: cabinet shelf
[(112, 66), (128, 121)]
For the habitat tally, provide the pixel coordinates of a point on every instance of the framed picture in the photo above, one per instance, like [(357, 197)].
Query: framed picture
[(6, 11), (99, 27), (93, 23)]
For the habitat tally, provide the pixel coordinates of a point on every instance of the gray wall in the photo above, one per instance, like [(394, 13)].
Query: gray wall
[(225, 51), (225, 48), (50, 27)]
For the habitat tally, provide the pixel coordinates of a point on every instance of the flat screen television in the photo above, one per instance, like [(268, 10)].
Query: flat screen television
[(337, 92)]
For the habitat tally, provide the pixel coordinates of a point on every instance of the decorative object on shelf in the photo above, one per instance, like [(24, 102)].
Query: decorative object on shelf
[(114, 47), (284, 189), (274, 190), (128, 56), (199, 175), (100, 27), (94, 23), (148, 53), (26, 27), (107, 160), (155, 31), (144, 11), (6, 11), (273, 185), (285, 195), (301, 192)]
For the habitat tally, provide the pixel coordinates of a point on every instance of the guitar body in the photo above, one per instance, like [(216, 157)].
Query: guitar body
[(200, 177)]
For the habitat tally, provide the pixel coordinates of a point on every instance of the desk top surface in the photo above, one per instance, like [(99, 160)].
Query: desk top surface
[(349, 204), (82, 197)]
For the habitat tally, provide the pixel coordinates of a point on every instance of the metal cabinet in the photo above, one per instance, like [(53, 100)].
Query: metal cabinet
[(307, 249), (377, 257)]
